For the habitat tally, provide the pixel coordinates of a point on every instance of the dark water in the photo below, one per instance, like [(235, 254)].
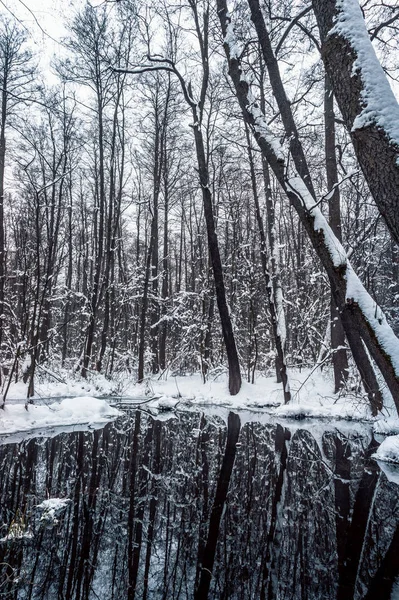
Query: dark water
[(191, 508)]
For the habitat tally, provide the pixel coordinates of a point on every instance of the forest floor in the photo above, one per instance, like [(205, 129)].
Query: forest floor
[(62, 401)]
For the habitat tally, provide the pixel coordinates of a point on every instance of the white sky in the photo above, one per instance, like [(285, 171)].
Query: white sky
[(44, 21)]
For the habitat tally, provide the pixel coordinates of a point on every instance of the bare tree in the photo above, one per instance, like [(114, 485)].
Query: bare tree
[(16, 76)]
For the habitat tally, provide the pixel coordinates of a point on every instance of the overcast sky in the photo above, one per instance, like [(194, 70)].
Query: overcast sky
[(44, 20)]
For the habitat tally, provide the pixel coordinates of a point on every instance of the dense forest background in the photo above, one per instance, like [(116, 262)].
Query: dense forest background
[(106, 256)]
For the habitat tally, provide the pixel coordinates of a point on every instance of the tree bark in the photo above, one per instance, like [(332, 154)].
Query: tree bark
[(283, 103), (281, 367), (225, 319), (376, 148), (2, 232)]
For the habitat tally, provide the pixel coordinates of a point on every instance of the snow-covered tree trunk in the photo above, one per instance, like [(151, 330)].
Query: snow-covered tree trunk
[(368, 106)]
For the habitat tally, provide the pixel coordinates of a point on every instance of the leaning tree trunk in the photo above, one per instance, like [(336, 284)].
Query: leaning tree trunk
[(368, 106), (364, 365), (283, 103)]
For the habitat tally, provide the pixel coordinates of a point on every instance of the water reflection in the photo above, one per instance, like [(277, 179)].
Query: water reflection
[(195, 508)]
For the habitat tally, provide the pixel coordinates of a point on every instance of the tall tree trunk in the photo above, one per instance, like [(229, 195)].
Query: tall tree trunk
[(339, 357), (283, 103), (2, 230), (143, 313), (165, 277), (227, 328), (98, 266), (281, 367), (154, 247)]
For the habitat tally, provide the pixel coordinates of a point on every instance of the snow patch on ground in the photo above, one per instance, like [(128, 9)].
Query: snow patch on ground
[(312, 396), (388, 451), (70, 411), (66, 386)]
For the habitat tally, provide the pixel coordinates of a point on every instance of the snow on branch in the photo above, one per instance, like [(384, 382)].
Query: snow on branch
[(158, 63), (334, 246), (258, 119), (355, 290)]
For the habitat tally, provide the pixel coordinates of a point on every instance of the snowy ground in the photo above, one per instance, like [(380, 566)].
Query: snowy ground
[(50, 419), (312, 398), (312, 394)]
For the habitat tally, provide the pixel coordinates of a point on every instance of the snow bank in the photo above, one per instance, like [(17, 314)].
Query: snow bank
[(71, 411), (391, 471), (388, 451), (387, 426), (312, 396), (66, 386)]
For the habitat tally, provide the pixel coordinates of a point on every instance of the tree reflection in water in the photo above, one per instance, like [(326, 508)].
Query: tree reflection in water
[(195, 508)]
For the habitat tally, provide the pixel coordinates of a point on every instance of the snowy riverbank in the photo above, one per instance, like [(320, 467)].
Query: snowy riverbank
[(312, 393), (312, 398), (86, 411)]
